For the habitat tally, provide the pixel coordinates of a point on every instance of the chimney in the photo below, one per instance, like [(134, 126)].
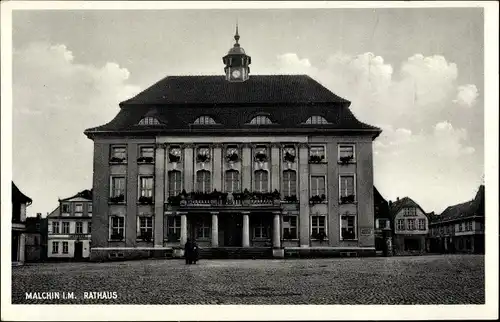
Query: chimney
[(390, 203), (38, 215), (397, 199)]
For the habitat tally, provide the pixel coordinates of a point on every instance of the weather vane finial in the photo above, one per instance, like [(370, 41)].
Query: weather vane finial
[(237, 36)]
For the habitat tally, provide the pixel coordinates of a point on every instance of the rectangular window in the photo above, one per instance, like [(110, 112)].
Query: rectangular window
[(79, 228), (421, 224), (203, 228), (318, 186), (290, 227), (65, 247), (203, 181), (147, 152), (89, 227), (66, 209), (411, 224), (383, 223), (173, 228), (145, 228), (55, 227), (78, 208), (347, 188), (318, 227), (174, 183), (348, 227), (146, 187), (118, 187), (410, 212), (261, 181), (316, 154), (460, 227), (65, 227), (118, 154), (232, 181), (260, 228), (55, 247), (346, 153), (117, 227), (290, 183), (401, 224), (89, 208)]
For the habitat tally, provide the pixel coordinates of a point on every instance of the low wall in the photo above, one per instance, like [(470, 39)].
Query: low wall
[(322, 252), (113, 254)]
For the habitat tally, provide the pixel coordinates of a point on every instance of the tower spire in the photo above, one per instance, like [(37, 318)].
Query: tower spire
[(236, 36)]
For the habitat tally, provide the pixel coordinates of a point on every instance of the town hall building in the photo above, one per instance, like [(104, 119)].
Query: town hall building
[(263, 165)]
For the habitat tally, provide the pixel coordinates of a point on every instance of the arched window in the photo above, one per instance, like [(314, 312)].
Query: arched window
[(203, 181), (316, 119), (289, 183), (261, 181), (232, 181), (174, 183), (205, 120), (148, 120), (260, 120)]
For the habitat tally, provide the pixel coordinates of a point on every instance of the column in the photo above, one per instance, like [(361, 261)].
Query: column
[(246, 168), (183, 229), (217, 167), (215, 229), (275, 167), (276, 231), (188, 167), (159, 194), (22, 243), (304, 194), (246, 229)]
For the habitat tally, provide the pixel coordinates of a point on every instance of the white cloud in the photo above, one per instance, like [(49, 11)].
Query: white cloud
[(54, 100), (466, 95), (290, 63)]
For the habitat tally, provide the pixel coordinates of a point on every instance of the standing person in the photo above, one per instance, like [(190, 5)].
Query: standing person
[(188, 251), (195, 252)]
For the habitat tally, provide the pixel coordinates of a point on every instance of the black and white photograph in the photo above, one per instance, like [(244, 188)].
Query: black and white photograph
[(263, 160)]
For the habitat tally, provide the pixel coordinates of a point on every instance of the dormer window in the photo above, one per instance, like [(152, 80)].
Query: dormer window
[(316, 119), (261, 120), (148, 120), (205, 120)]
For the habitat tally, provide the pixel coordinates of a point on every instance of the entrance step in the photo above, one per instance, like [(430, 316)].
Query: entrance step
[(236, 253)]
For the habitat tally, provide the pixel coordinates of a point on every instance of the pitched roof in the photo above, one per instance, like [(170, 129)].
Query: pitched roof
[(381, 205), (260, 89), (18, 196), (288, 100), (405, 202), (471, 208), (85, 194)]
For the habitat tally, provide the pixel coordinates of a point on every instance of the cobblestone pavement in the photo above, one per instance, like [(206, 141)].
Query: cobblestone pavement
[(439, 279)]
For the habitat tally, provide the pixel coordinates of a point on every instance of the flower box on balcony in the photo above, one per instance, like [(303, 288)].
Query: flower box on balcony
[(346, 159), (172, 158), (146, 237), (232, 158), (321, 236), (317, 199), (117, 160), (174, 200), (202, 158), (173, 238), (288, 157), (347, 199), (291, 199), (145, 160), (117, 199), (145, 200), (316, 158)]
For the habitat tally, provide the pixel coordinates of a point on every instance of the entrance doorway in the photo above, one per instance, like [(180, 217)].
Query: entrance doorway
[(78, 250), (231, 228)]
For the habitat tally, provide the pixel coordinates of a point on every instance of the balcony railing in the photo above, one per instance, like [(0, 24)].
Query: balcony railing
[(245, 199)]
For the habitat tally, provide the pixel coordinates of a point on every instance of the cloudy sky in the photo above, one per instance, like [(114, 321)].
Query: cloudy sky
[(416, 73)]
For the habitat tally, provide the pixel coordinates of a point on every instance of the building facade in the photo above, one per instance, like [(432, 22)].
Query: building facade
[(411, 226), (18, 237), (236, 161), (460, 228), (70, 228), (36, 238)]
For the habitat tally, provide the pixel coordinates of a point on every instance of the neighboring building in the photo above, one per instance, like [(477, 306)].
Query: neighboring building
[(411, 225), (19, 203), (70, 227), (274, 162), (382, 218), (460, 228), (36, 238)]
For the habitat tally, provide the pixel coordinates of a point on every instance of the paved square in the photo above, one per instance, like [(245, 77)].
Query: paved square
[(439, 279)]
